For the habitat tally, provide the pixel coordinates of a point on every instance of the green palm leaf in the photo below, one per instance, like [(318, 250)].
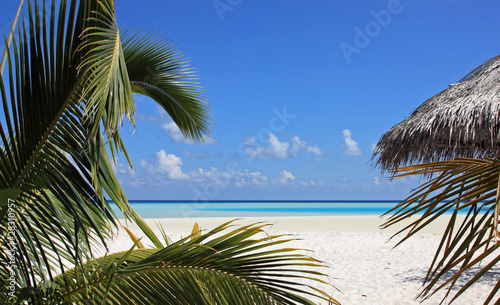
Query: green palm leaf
[(107, 90), (42, 149), (460, 185), (156, 69), (65, 75), (219, 267)]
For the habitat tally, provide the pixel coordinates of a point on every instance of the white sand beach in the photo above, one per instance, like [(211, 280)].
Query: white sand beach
[(364, 265)]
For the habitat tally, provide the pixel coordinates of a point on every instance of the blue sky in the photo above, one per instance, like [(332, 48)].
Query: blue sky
[(300, 91)]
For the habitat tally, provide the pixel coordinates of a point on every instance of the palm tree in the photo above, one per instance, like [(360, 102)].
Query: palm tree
[(68, 85)]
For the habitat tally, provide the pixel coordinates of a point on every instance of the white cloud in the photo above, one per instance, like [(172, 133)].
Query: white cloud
[(376, 181), (285, 178), (316, 150), (123, 169), (166, 164), (226, 178), (250, 178), (166, 168), (351, 146), (209, 141), (249, 141), (277, 149), (126, 175), (176, 135), (297, 145), (173, 132), (246, 178), (287, 175)]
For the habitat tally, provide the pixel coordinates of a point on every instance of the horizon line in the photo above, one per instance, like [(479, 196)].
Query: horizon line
[(249, 200)]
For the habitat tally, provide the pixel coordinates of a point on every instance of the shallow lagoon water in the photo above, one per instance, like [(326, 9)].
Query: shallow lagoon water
[(188, 209)]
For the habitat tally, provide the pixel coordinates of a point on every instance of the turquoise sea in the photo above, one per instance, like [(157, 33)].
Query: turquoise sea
[(186, 209)]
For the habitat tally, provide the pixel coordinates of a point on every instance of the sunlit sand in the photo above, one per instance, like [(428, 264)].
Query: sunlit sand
[(364, 265)]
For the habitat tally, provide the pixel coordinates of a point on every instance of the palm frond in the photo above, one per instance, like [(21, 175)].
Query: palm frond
[(462, 186), (46, 150), (219, 267), (58, 91), (158, 70), (107, 88)]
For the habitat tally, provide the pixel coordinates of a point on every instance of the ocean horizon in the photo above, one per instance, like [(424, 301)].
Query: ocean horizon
[(258, 208), (255, 208)]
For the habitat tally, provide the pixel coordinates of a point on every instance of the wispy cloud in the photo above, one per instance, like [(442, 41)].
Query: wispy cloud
[(175, 134), (276, 149), (284, 178), (351, 146), (317, 151), (223, 179), (164, 169), (200, 154), (159, 117)]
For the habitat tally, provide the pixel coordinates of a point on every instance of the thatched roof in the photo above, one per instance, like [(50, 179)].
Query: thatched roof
[(461, 121)]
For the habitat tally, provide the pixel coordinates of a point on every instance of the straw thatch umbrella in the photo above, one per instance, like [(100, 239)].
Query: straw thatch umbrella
[(461, 121)]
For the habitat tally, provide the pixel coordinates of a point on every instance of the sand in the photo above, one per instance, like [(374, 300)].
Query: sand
[(363, 263)]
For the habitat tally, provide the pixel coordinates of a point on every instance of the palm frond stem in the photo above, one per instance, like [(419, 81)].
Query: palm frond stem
[(43, 141), (9, 39)]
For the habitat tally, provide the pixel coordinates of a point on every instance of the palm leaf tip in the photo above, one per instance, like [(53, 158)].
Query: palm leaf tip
[(135, 239)]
